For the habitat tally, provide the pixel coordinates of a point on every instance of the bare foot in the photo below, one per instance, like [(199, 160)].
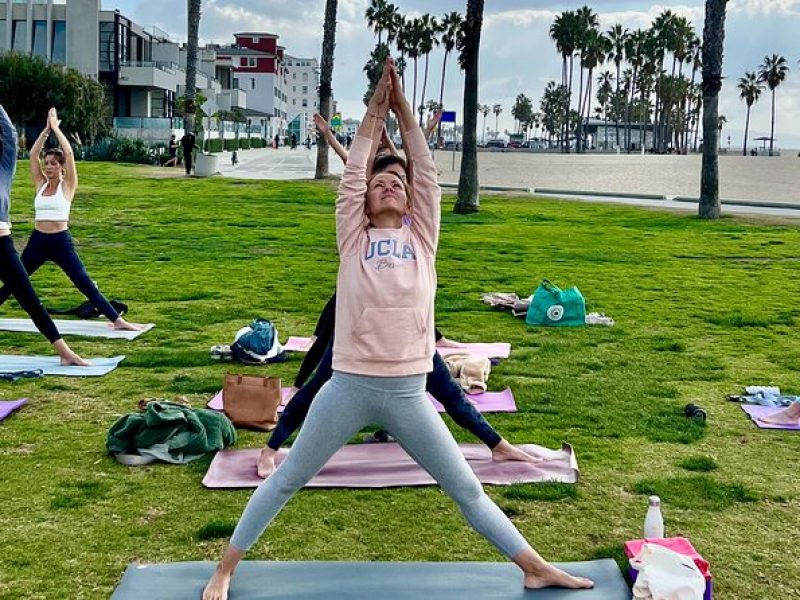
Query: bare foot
[(217, 587), (550, 576), (122, 324), (789, 416), (505, 451), (266, 462), (68, 357)]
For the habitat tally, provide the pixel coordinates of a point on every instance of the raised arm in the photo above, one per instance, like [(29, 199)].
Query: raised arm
[(351, 218), (37, 176), (70, 171), (427, 209), (325, 129), (433, 122), (8, 147)]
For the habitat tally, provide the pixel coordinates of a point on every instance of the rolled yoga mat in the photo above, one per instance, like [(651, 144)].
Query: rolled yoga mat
[(260, 580), (50, 365), (489, 350), (756, 411), (487, 402), (388, 465), (76, 327), (9, 406)]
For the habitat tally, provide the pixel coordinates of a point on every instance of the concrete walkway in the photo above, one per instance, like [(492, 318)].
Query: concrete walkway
[(300, 163)]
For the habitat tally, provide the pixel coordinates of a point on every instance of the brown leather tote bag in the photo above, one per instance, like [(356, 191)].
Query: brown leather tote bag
[(251, 402)]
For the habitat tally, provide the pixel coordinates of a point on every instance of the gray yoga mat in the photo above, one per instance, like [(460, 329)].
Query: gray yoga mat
[(50, 365), (262, 580), (76, 327)]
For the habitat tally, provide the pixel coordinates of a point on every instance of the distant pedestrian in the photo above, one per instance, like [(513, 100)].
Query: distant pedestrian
[(188, 143), (172, 148), (349, 140), (235, 159), (277, 140), (294, 141)]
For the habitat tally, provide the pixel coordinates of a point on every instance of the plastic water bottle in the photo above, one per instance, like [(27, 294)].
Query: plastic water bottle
[(654, 522)]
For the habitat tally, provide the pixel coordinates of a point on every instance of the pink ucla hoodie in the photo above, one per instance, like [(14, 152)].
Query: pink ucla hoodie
[(387, 277)]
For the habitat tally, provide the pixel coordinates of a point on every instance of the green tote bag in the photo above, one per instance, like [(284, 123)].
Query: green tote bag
[(554, 307)]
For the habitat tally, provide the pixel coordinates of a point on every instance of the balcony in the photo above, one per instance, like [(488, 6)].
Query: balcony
[(151, 74), (229, 99)]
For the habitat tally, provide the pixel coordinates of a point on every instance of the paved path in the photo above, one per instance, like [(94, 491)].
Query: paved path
[(281, 164)]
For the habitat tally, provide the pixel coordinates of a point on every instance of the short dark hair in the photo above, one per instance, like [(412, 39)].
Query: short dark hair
[(57, 152), (387, 160)]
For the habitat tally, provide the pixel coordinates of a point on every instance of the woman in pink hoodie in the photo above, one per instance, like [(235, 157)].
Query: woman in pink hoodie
[(384, 347)]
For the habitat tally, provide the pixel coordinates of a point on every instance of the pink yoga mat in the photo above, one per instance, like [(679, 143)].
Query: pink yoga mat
[(489, 350), (756, 411), (216, 402), (388, 465), (9, 406), (486, 402)]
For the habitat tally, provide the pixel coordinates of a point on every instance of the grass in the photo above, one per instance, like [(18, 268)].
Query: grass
[(702, 308)]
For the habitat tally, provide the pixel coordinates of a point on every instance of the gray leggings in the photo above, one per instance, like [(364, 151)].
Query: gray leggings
[(346, 404)]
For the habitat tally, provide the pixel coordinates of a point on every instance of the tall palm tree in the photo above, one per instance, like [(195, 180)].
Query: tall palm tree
[(484, 109), (468, 200), (325, 79), (618, 37), (413, 48), (565, 32), (428, 40), (193, 30), (596, 47), (773, 72), (713, 45), (450, 29), (402, 28), (604, 91), (497, 109), (749, 90), (376, 15)]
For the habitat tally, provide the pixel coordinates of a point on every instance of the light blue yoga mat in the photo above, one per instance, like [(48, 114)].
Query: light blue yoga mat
[(261, 580), (78, 327), (50, 365)]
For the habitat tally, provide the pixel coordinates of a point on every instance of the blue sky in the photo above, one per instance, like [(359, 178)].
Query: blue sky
[(517, 55)]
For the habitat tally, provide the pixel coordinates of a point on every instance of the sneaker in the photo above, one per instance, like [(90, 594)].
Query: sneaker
[(599, 319), (221, 352), (379, 437)]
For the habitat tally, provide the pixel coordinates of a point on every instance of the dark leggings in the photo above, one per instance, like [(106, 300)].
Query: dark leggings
[(439, 383), (58, 248), (15, 281)]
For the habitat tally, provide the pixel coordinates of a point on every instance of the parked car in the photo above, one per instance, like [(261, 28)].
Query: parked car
[(495, 144), (514, 144), (451, 145)]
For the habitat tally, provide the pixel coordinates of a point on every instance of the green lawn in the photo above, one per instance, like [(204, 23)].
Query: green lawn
[(701, 309)]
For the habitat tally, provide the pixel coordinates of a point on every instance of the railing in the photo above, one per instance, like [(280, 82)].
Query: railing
[(148, 123), (161, 65)]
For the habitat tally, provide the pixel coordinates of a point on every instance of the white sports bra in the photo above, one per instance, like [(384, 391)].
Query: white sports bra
[(52, 208)]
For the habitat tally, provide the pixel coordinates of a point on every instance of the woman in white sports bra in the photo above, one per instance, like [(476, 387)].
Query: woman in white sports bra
[(51, 239)]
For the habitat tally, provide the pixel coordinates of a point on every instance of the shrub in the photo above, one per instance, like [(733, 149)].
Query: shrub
[(244, 143), (130, 151)]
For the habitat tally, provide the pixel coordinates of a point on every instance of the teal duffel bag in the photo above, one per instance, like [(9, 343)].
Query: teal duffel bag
[(555, 307)]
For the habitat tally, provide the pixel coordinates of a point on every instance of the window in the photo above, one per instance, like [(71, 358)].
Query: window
[(305, 89), (255, 39), (236, 83), (19, 39), (305, 103), (123, 40), (251, 61), (40, 39), (252, 83), (294, 102), (106, 44), (2, 34), (60, 42), (294, 88), (305, 76), (294, 75)]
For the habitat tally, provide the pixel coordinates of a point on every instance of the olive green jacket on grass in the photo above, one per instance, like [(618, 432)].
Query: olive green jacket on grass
[(171, 432)]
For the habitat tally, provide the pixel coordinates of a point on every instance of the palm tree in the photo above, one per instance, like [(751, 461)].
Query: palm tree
[(402, 28), (484, 109), (604, 91), (376, 15), (618, 36), (565, 32), (413, 44), (193, 29), (450, 29), (468, 200), (722, 120), (749, 90), (713, 44), (428, 40), (595, 50), (497, 109), (773, 72), (325, 78)]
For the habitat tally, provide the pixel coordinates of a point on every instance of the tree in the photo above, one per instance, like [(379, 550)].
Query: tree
[(469, 51), (618, 37), (565, 32), (378, 14), (484, 109), (749, 90), (713, 46), (773, 72), (193, 29), (374, 69), (522, 111), (497, 109), (413, 42), (427, 41), (596, 47), (450, 30), (325, 78)]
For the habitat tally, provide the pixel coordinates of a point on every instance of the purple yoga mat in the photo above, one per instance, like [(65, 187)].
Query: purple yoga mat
[(9, 406), (216, 402), (756, 411), (388, 465), (489, 350), (486, 402)]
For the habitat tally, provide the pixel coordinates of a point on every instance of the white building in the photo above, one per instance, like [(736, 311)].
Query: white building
[(302, 91)]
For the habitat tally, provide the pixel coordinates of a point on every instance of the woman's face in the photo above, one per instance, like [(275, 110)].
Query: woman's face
[(386, 195), (52, 168)]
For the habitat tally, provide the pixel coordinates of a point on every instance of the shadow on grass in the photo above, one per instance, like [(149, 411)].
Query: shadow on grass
[(545, 492), (741, 319), (698, 463), (78, 494), (697, 492), (216, 529)]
